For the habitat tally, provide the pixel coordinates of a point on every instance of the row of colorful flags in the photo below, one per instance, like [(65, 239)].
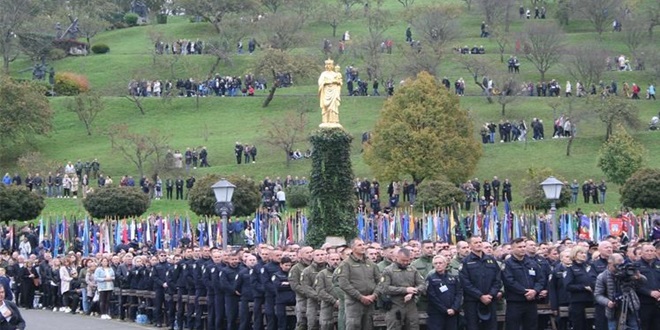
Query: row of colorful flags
[(448, 225)]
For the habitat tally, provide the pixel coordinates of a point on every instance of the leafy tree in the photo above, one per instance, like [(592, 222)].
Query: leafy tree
[(138, 148), (24, 111), (86, 106), (213, 11), (438, 194), (641, 189), (620, 156), (422, 132), (13, 16), (246, 196), (20, 204), (116, 202), (615, 110), (543, 45), (533, 192), (563, 12), (285, 132), (275, 61)]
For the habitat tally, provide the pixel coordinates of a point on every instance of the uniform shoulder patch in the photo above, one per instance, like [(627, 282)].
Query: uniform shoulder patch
[(219, 273), (184, 266), (262, 270), (236, 277), (212, 270), (316, 281), (194, 266), (250, 272), (338, 271), (382, 279), (272, 278)]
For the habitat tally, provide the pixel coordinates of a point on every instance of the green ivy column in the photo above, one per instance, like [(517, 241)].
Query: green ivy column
[(332, 201)]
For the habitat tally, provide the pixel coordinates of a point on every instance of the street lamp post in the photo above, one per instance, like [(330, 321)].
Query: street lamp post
[(223, 191), (552, 189)]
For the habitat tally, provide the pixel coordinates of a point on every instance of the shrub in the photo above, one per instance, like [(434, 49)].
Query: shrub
[(246, 196), (19, 203), (69, 83), (131, 19), (100, 49), (640, 190), (297, 197), (161, 18), (438, 194), (117, 202), (56, 54)]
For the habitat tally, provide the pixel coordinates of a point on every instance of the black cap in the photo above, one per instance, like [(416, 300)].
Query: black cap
[(484, 312)]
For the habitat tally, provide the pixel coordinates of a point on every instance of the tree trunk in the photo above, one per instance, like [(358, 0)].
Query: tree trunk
[(503, 109), (288, 157), (270, 96), (569, 144), (214, 66), (334, 28)]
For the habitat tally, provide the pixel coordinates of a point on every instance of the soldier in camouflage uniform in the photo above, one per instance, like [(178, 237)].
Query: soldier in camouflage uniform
[(403, 283), (424, 265), (308, 278), (327, 295), (358, 278), (295, 279), (462, 251)]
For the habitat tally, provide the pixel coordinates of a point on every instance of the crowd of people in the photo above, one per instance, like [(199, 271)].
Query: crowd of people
[(466, 284), (180, 47), (218, 86)]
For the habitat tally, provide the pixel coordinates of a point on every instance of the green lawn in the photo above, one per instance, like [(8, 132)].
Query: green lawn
[(218, 123)]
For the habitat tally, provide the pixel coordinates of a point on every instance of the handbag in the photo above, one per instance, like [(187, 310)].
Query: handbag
[(96, 296)]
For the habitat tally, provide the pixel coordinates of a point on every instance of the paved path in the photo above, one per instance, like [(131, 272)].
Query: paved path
[(49, 320)]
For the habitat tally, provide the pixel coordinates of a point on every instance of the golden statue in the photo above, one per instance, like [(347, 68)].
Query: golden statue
[(330, 83)]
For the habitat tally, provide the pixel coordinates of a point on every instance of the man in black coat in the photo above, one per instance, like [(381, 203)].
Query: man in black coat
[(12, 319)]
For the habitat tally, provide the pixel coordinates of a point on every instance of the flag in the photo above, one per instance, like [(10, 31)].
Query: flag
[(159, 233), (41, 230), (257, 228), (85, 240), (360, 226), (56, 247)]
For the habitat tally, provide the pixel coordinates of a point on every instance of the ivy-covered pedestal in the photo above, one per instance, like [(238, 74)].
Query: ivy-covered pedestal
[(332, 202)]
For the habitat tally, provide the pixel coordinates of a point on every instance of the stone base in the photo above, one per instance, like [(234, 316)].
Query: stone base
[(330, 125)]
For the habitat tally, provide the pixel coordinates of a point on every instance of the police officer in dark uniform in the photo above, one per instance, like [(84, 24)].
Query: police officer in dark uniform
[(605, 249), (207, 274), (228, 281), (532, 252), (135, 278), (445, 296), (159, 274), (200, 286), (244, 288), (649, 292), (269, 289), (557, 291), (180, 280), (258, 288), (580, 281), (523, 281), (480, 277), (219, 322), (285, 295)]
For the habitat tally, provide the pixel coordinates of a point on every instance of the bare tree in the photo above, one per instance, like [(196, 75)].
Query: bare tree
[(369, 46), (273, 5), (406, 3), (12, 17), (347, 4), (468, 3), (437, 26), (273, 62), (507, 90), (615, 110), (497, 12), (633, 34), (599, 12), (543, 45), (586, 63), (503, 40), (137, 148), (87, 106), (331, 14), (286, 131), (214, 11), (283, 31), (477, 67)]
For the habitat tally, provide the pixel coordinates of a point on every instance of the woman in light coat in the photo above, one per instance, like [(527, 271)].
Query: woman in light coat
[(105, 277)]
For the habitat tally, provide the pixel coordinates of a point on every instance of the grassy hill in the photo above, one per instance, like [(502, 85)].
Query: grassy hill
[(218, 123)]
